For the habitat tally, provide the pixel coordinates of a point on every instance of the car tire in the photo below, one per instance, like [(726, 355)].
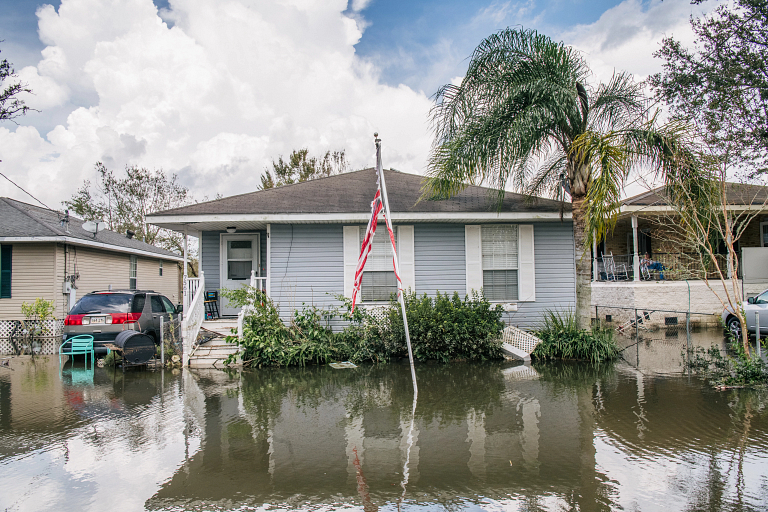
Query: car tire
[(734, 327)]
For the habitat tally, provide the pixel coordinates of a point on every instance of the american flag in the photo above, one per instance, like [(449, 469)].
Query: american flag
[(376, 208)]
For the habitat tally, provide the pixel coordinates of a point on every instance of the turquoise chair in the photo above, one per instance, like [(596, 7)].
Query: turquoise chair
[(82, 344)]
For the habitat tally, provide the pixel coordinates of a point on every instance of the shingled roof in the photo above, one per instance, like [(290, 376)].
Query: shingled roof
[(352, 192), (737, 194), (21, 220)]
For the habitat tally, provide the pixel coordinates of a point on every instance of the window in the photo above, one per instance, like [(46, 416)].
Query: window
[(102, 303), (161, 268), (157, 304), (379, 280), (239, 260), (138, 303), (5, 271), (500, 262), (764, 234), (169, 307), (132, 277)]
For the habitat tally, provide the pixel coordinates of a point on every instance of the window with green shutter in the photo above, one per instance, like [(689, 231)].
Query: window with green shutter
[(5, 271)]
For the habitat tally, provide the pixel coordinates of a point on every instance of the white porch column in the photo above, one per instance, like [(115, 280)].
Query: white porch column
[(594, 260), (184, 287), (636, 260), (269, 260)]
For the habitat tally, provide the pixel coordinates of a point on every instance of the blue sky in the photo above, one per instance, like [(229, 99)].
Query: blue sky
[(214, 91)]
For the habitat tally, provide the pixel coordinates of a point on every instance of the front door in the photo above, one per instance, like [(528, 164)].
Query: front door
[(239, 255)]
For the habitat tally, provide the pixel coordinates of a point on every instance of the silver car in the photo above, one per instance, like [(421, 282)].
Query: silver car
[(754, 305), (104, 314)]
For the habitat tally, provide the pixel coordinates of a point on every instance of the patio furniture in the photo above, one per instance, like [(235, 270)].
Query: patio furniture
[(614, 271), (211, 304), (82, 344)]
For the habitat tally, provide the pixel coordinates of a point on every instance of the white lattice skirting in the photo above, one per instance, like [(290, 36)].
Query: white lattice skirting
[(43, 345), (520, 339)]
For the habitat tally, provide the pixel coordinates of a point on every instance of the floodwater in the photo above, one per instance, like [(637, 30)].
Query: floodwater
[(635, 435)]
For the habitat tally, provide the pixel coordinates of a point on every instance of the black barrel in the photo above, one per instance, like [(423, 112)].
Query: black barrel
[(137, 348)]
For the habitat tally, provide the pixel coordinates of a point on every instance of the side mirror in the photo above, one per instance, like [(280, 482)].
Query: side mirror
[(751, 300), (179, 308)]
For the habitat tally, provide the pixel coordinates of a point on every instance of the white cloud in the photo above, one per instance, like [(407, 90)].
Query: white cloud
[(230, 86)]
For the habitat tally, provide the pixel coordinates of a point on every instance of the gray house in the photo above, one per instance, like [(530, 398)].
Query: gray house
[(301, 243)]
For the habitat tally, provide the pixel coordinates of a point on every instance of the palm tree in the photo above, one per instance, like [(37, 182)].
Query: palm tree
[(524, 115)]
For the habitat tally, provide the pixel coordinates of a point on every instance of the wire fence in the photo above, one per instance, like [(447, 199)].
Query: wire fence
[(656, 324), (172, 338)]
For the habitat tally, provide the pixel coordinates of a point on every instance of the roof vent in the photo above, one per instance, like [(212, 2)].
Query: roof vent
[(129, 233)]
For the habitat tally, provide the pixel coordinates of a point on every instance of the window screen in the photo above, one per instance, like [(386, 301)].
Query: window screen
[(379, 280), (499, 246), (161, 268)]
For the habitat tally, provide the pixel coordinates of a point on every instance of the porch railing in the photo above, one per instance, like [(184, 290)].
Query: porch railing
[(194, 313), (259, 283), (677, 267)]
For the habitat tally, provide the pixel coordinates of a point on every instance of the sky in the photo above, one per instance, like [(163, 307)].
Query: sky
[(214, 91)]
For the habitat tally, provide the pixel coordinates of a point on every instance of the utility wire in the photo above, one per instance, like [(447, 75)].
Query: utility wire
[(20, 188)]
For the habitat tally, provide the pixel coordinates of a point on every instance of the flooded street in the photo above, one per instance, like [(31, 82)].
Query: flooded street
[(635, 435)]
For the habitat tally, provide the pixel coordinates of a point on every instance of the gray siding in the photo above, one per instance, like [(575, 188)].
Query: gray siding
[(209, 254), (555, 274), (307, 265), (439, 258)]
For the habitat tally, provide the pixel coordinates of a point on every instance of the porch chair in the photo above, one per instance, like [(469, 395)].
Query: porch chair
[(82, 344), (614, 271), (211, 303)]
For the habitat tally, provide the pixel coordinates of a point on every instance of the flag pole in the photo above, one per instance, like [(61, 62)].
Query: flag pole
[(401, 299)]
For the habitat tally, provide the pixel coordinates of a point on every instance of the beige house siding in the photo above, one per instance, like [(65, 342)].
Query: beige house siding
[(39, 270), (32, 276), (149, 278)]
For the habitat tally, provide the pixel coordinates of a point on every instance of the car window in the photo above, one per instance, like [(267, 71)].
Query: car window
[(157, 304), (102, 303), (138, 303), (762, 298), (169, 308)]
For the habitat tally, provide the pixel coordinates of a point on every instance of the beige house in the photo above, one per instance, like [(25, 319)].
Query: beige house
[(645, 226), (44, 254)]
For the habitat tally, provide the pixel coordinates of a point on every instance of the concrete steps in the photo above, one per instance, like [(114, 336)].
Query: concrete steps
[(213, 353)]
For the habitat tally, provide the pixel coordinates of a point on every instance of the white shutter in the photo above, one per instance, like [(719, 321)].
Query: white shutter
[(474, 258), (405, 251), (526, 270), (351, 254)]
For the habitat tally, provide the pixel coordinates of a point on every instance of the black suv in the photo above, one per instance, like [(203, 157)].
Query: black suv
[(106, 313)]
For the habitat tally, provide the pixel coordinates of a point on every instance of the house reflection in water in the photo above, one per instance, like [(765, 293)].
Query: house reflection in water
[(308, 434)]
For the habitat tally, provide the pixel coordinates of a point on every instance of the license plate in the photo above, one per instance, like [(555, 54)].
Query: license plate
[(97, 320)]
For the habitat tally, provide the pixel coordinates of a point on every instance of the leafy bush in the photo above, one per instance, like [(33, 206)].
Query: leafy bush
[(562, 339), (444, 328), (738, 369)]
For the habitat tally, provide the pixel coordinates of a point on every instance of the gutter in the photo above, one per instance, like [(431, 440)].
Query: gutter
[(88, 243)]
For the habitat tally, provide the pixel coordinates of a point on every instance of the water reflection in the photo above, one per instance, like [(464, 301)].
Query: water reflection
[(489, 436)]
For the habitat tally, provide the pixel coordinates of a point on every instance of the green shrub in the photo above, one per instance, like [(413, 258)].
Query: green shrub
[(738, 369), (444, 328), (562, 339)]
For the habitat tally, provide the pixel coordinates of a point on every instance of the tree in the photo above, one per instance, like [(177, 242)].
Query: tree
[(708, 216), (300, 167), (123, 203), (525, 115), (721, 84), (11, 106)]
